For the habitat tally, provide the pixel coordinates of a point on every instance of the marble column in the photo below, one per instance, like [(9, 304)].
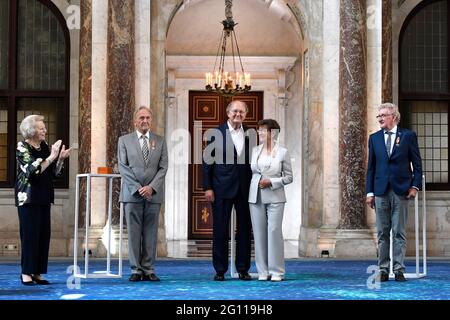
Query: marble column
[(352, 113), (161, 14), (353, 238), (84, 119), (120, 83), (374, 75), (387, 51)]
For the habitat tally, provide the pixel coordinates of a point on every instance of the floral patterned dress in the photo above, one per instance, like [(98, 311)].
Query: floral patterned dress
[(32, 185)]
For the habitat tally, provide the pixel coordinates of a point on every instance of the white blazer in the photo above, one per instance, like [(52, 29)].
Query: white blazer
[(279, 172)]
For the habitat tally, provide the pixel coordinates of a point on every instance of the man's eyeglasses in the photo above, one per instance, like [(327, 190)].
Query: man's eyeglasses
[(237, 111), (383, 115)]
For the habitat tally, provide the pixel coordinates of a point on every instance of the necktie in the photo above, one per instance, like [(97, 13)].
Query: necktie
[(388, 143), (145, 151)]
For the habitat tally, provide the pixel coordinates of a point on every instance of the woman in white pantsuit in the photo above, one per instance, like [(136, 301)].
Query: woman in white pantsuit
[(271, 168)]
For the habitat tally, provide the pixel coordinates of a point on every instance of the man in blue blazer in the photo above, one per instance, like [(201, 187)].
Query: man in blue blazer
[(226, 181), (391, 182)]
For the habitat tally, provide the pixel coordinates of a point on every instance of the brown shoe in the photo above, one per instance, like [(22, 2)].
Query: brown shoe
[(135, 277), (399, 276), (150, 277), (384, 277)]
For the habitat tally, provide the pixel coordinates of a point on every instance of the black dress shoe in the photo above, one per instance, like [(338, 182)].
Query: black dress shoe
[(135, 277), (150, 277), (40, 281), (384, 277), (219, 277), (245, 276), (400, 277), (27, 283)]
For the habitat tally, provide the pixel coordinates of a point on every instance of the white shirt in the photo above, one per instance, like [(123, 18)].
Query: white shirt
[(141, 141), (264, 161), (238, 138), (386, 136)]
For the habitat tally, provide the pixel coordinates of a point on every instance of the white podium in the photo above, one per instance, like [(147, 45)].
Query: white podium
[(96, 274), (418, 274)]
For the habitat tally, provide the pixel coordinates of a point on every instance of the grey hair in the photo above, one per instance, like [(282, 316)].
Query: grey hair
[(142, 108), (234, 102), (28, 125), (392, 108)]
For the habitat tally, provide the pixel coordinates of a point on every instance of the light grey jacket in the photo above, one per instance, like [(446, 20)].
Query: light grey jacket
[(135, 174), (279, 173)]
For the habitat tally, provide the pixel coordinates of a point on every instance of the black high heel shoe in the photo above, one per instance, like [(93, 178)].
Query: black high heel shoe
[(40, 281), (27, 283)]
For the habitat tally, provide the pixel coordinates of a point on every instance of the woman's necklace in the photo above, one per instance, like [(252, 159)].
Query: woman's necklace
[(37, 147)]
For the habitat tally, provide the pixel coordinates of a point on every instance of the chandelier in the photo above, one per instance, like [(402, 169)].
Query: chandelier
[(220, 81)]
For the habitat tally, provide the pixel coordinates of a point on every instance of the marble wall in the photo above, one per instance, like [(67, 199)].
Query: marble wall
[(437, 202), (120, 90), (63, 209), (84, 125), (313, 110)]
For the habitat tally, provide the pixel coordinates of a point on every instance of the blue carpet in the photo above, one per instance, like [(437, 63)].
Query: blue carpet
[(192, 280)]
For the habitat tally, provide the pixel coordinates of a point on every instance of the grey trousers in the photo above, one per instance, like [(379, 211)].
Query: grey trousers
[(391, 212), (142, 223), (268, 235)]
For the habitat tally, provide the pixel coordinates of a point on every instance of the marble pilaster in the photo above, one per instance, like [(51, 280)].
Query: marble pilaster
[(84, 120), (352, 236), (374, 75), (120, 82), (161, 13), (387, 50), (142, 52), (352, 115)]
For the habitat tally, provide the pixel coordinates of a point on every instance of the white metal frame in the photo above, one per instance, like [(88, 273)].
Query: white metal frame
[(233, 272), (417, 274), (96, 274)]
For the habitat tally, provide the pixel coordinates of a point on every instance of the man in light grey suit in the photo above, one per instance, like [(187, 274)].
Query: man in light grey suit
[(143, 163), (271, 171)]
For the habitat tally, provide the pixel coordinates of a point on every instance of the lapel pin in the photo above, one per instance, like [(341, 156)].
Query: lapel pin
[(153, 144), (397, 142)]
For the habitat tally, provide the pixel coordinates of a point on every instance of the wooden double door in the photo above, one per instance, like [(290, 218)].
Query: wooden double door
[(210, 109)]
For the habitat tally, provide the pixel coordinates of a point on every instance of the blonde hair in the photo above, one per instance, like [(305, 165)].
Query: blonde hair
[(393, 109)]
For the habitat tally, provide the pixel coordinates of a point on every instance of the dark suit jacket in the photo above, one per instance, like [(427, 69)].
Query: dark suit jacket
[(395, 170), (223, 171)]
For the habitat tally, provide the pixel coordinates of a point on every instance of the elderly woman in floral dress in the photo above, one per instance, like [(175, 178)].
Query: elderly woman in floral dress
[(37, 165)]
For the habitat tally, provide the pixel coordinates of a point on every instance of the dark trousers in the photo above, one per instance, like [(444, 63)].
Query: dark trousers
[(35, 227), (221, 228)]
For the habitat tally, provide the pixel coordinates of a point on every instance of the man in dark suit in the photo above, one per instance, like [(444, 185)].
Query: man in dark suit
[(390, 184), (226, 181)]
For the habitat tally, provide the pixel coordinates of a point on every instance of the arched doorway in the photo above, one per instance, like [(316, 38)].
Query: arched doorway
[(272, 46)]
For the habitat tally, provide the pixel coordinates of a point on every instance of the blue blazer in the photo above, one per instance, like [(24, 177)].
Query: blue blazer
[(223, 170), (395, 170)]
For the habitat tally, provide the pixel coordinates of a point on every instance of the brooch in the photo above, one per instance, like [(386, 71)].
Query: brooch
[(397, 142), (153, 144)]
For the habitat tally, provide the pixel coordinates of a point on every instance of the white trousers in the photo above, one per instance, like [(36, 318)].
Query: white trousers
[(267, 222)]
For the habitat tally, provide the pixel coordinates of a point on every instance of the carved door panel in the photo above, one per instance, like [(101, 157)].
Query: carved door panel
[(210, 109)]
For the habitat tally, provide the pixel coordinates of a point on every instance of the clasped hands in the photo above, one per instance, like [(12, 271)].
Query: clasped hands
[(146, 192), (264, 183)]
